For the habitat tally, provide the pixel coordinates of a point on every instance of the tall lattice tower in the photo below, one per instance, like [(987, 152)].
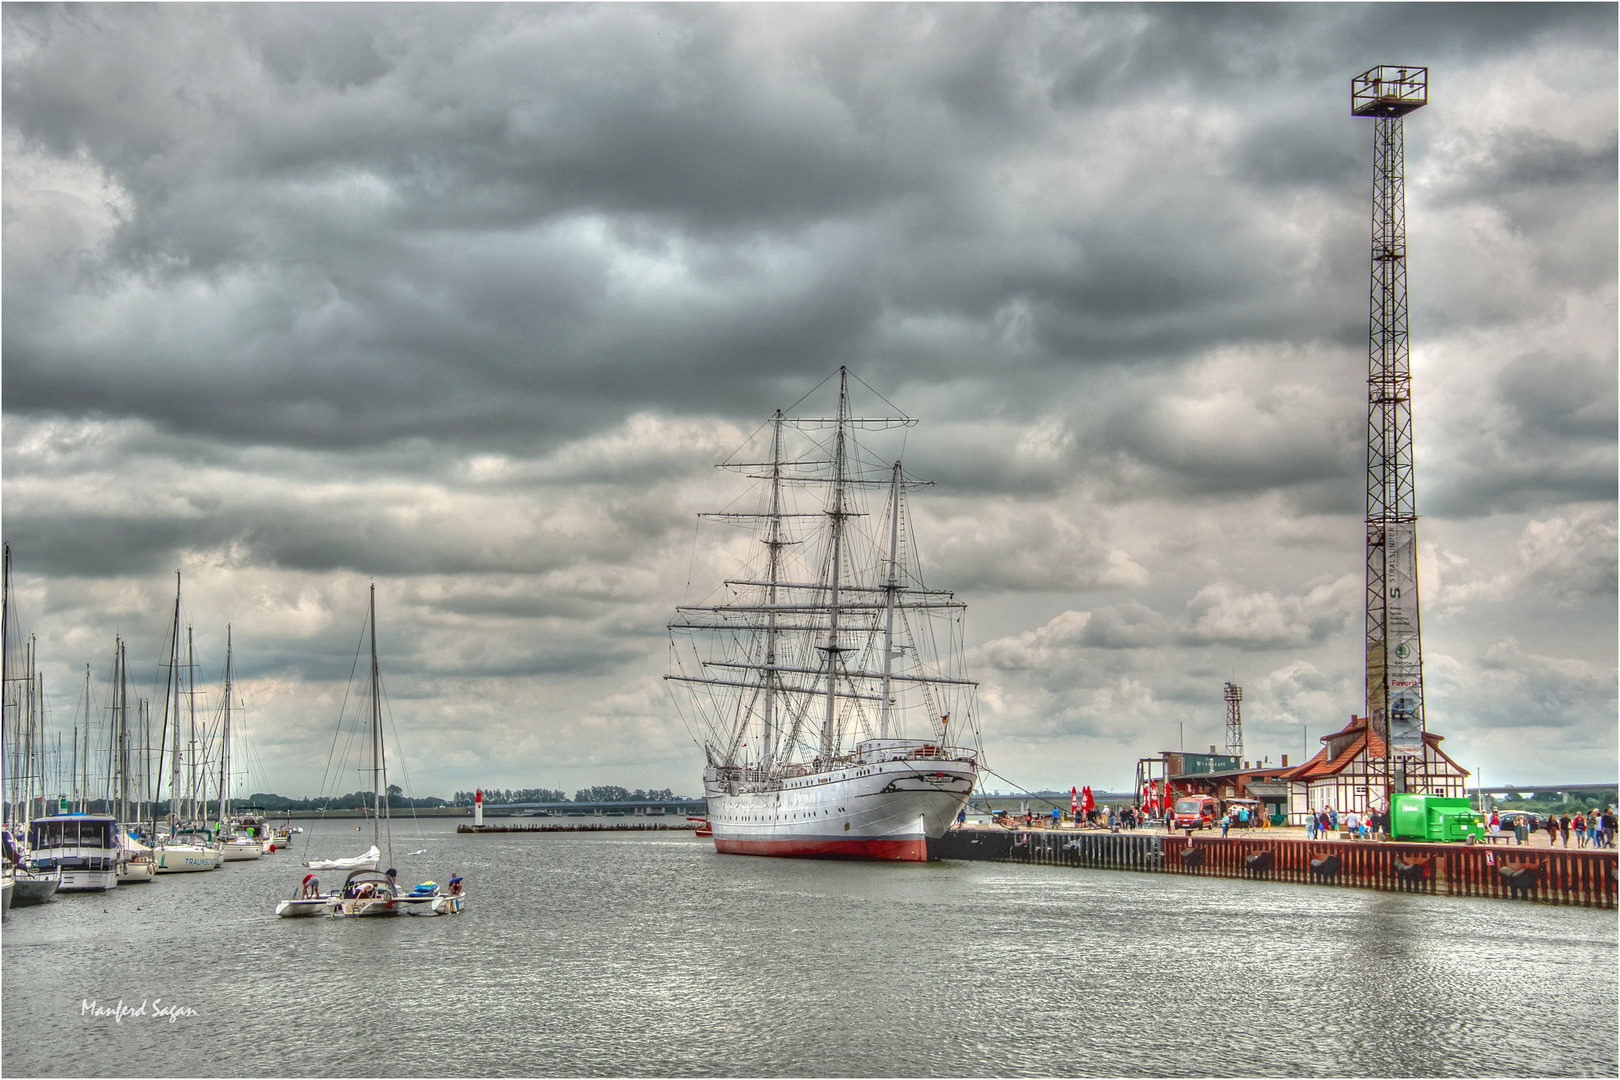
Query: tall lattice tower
[(1234, 720), (1394, 654)]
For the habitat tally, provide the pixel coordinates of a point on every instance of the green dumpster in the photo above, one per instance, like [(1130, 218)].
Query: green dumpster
[(1433, 817)]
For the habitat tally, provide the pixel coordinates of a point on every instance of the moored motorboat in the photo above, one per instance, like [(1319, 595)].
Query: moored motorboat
[(34, 888), (242, 849), (82, 848)]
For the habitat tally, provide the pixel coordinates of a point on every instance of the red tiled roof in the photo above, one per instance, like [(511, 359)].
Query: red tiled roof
[(1321, 766)]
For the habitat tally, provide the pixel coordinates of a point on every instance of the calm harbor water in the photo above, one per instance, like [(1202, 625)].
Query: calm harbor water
[(634, 954)]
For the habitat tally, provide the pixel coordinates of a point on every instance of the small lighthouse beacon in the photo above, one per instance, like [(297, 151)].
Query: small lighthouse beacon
[(478, 807)]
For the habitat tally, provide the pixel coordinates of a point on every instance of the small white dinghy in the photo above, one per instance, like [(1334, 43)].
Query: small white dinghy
[(368, 861), (309, 902), (427, 899)]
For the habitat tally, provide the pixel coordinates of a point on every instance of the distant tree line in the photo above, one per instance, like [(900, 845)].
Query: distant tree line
[(355, 800)]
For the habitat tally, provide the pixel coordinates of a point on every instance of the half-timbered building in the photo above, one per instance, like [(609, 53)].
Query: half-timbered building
[(1341, 775)]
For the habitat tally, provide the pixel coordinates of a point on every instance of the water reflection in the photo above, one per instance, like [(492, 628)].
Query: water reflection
[(647, 954)]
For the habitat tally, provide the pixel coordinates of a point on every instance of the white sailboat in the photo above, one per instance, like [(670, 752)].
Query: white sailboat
[(136, 863), (186, 848), (365, 892), (824, 678), (237, 846)]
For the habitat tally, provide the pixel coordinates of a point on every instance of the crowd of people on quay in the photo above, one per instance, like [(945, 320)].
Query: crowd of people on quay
[(1592, 829), (1589, 829), (1360, 826)]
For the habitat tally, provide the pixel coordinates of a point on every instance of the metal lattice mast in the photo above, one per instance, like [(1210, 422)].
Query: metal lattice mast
[(1234, 720), (1394, 654)]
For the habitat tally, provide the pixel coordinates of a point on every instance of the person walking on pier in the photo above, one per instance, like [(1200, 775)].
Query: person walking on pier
[(1563, 826), (1580, 830), (1310, 827), (1606, 831)]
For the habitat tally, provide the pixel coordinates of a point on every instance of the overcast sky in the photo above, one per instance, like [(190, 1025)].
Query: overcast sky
[(468, 301)]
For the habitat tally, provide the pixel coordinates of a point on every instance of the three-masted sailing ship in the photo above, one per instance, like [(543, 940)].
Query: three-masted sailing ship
[(825, 681)]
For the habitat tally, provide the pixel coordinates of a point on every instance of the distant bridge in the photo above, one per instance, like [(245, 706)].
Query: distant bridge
[(628, 807), (1542, 789)]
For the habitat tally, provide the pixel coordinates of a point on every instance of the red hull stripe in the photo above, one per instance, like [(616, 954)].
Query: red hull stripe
[(898, 848)]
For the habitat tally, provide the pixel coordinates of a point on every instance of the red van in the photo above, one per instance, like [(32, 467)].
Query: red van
[(1197, 811)]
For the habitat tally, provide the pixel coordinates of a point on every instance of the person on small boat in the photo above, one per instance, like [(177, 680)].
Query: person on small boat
[(393, 880), (312, 887), (455, 884)]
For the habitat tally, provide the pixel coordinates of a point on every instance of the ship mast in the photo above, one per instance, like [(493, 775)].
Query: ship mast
[(828, 741), (773, 544), (888, 613)]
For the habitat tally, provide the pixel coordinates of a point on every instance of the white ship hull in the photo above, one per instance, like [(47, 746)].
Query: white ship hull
[(867, 809)]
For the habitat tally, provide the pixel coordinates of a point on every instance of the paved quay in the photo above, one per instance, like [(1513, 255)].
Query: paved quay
[(1276, 832)]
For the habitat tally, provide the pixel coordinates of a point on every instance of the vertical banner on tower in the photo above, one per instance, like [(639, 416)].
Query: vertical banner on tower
[(1403, 654)]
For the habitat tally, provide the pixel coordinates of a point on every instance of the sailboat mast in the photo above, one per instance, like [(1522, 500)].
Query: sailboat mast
[(173, 683), (122, 707), (5, 673), (191, 728), (28, 740), (828, 733), (890, 592), (84, 798), (378, 797), (225, 738)]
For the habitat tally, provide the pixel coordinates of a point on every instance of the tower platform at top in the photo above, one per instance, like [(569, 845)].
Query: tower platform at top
[(1388, 90)]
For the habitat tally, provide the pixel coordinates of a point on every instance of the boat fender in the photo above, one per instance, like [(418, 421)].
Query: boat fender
[(1193, 856), (1416, 870), (1326, 867), (1520, 877), (1259, 863)]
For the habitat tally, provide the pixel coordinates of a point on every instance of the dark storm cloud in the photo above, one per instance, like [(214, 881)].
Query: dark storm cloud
[(469, 297), (318, 247)]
